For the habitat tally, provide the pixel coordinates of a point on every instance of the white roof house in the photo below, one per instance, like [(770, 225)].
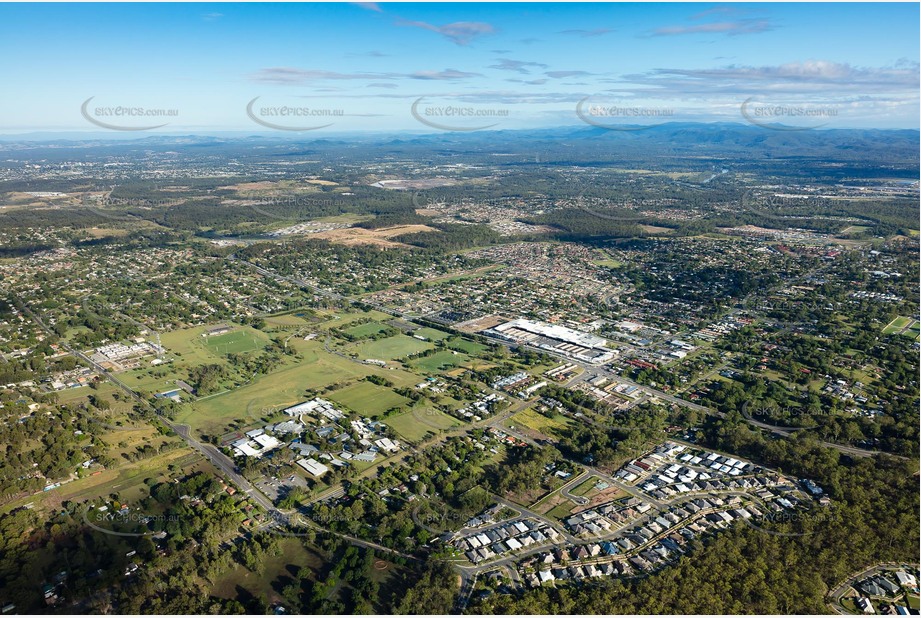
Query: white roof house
[(288, 427), (313, 466), (267, 442), (388, 445)]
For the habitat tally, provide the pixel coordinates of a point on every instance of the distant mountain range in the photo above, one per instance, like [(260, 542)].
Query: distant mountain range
[(732, 142)]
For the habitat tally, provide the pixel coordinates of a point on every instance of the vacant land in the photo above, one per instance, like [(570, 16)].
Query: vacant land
[(127, 481), (562, 510), (538, 422), (469, 347), (283, 387), (368, 399), (316, 370), (380, 237), (585, 487), (417, 423), (288, 320)]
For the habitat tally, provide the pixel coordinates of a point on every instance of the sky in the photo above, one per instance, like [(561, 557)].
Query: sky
[(330, 68)]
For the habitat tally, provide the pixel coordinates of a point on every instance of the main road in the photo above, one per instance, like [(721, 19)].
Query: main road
[(221, 461)]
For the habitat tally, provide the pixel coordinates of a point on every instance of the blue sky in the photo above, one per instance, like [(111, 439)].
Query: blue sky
[(464, 66)]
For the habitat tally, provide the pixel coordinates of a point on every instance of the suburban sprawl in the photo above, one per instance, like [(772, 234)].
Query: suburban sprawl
[(249, 379)]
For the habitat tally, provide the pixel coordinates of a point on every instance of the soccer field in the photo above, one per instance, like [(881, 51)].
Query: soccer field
[(194, 349), (236, 342), (391, 347)]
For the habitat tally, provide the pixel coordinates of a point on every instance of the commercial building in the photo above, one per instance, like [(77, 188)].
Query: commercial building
[(556, 338)]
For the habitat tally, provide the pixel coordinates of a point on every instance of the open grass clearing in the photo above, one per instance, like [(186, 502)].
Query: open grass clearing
[(284, 387), (538, 422), (192, 349), (561, 511), (906, 326), (444, 360), (390, 348), (368, 399), (366, 330), (585, 487), (468, 347), (431, 333), (416, 424), (287, 320), (126, 480)]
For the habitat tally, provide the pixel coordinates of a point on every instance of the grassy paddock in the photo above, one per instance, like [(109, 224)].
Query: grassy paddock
[(368, 399)]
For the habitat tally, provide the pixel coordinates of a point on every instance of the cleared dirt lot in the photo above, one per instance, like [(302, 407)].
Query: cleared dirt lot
[(380, 237)]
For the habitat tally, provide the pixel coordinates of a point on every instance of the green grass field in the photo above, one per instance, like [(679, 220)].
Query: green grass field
[(153, 380), (913, 601), (440, 361), (366, 330), (126, 480), (415, 424), (910, 326), (585, 487), (391, 347), (431, 333), (286, 320), (342, 318), (468, 347), (368, 399), (284, 387), (192, 348), (236, 342), (561, 511), (118, 410), (538, 422)]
